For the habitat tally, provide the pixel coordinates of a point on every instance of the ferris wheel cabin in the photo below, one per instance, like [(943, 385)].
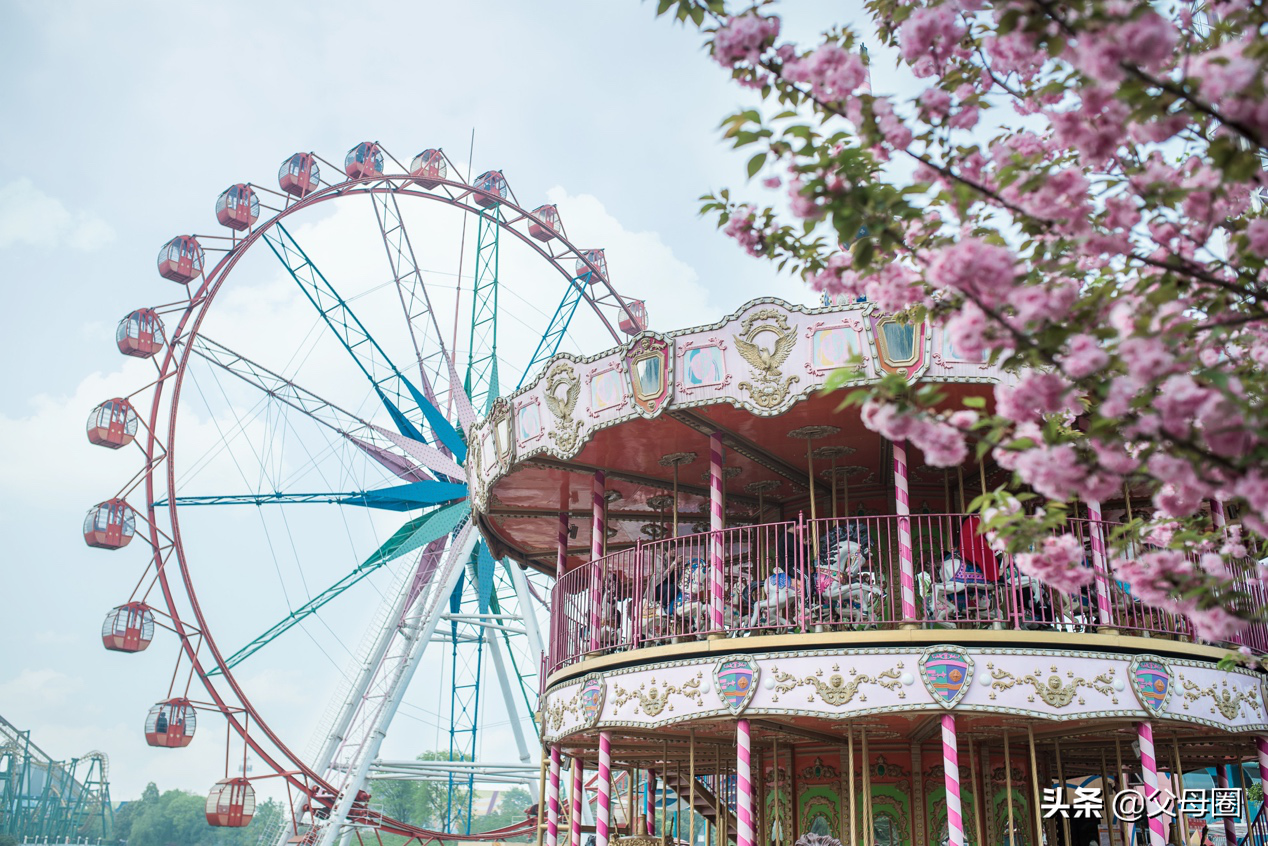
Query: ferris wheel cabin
[(299, 174), (171, 724), (429, 168), (231, 803), (181, 259), (589, 259), (545, 226), (112, 424), (363, 160), (110, 525), (140, 334), (490, 189), (636, 320), (238, 207), (128, 628)]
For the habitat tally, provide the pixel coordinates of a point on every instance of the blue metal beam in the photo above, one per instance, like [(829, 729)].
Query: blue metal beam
[(554, 335), (413, 535), (394, 390), (406, 497)]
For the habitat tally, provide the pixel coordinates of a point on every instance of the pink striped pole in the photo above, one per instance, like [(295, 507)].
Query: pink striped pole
[(716, 523), (743, 786), (1100, 563), (561, 545), (903, 502), (552, 800), (1230, 825), (598, 534), (605, 789), (951, 777), (578, 797), (651, 803), (1149, 774), (1261, 747), (1217, 513)]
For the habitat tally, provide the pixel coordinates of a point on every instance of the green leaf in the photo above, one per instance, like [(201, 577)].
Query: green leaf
[(755, 164), (975, 402)]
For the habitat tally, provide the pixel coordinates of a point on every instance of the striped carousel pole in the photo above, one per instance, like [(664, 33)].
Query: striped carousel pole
[(717, 585), (552, 800), (578, 798), (650, 810), (1100, 563), (1221, 781), (902, 501), (1149, 774), (743, 785), (1261, 748), (605, 789), (598, 534), (951, 776)]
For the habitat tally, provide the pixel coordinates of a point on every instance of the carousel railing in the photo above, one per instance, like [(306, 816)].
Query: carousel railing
[(836, 574)]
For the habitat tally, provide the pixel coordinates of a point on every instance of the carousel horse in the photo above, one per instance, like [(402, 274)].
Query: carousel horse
[(773, 608), (964, 591), (846, 590)]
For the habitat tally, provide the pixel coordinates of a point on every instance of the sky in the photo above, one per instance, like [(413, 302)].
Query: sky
[(121, 124)]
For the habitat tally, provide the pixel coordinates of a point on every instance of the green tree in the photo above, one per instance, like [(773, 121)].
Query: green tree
[(421, 803), (509, 810)]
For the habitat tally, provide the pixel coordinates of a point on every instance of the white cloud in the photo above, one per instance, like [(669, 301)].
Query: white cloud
[(40, 687), (31, 217)]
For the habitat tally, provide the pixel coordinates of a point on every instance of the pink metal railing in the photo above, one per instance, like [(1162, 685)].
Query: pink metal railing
[(794, 576)]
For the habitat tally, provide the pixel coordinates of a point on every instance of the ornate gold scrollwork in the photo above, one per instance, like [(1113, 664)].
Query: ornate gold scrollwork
[(837, 691), (563, 404), (654, 701), (1227, 703), (769, 387), (1052, 690)]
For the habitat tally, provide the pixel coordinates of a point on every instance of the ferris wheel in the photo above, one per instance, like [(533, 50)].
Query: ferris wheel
[(303, 373)]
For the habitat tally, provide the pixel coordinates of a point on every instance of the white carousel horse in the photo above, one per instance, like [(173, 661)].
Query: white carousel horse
[(964, 591), (845, 586), (778, 594)]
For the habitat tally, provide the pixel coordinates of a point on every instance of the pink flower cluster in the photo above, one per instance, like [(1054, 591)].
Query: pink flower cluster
[(743, 39), (1058, 563), (832, 72), (1163, 578), (930, 37), (743, 228), (942, 443)]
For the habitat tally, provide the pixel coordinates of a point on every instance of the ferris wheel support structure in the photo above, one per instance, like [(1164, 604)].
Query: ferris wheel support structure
[(423, 449)]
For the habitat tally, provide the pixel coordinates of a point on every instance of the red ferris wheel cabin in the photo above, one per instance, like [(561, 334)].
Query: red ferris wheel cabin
[(238, 207), (112, 424), (365, 159), (429, 168), (490, 189), (546, 225), (231, 803), (299, 174), (110, 525), (171, 724), (181, 259), (638, 309), (128, 628), (140, 334), (595, 258)]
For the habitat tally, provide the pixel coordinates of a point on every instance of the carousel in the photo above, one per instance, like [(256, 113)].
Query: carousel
[(768, 622)]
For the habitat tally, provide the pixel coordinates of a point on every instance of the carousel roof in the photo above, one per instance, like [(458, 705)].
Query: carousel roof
[(643, 413)]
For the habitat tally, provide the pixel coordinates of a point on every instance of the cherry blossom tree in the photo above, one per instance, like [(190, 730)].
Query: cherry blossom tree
[(1073, 190)]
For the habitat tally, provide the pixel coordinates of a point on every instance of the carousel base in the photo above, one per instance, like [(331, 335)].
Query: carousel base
[(914, 742)]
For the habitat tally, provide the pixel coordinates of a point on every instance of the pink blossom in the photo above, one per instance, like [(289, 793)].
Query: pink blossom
[(967, 329), (1224, 71), (1052, 471), (1147, 359), (1253, 487), (1083, 356), (975, 267), (1257, 236), (771, 182), (801, 205), (943, 445), (894, 288), (1036, 394), (1148, 41), (1058, 563), (743, 38), (935, 103), (742, 227), (887, 420), (832, 72), (930, 33)]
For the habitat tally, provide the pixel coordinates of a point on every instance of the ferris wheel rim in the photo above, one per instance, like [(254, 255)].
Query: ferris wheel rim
[(195, 633)]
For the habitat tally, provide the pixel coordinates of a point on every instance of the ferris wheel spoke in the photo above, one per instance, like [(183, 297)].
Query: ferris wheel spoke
[(360, 432), (412, 536), (429, 345), (555, 332), (410, 496), (397, 393)]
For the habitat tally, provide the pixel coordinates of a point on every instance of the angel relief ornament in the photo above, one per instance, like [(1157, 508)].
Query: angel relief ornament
[(765, 342)]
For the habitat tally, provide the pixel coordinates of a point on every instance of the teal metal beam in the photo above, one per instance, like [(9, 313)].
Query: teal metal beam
[(554, 335), (413, 535), (481, 382), (397, 393), (407, 497)]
